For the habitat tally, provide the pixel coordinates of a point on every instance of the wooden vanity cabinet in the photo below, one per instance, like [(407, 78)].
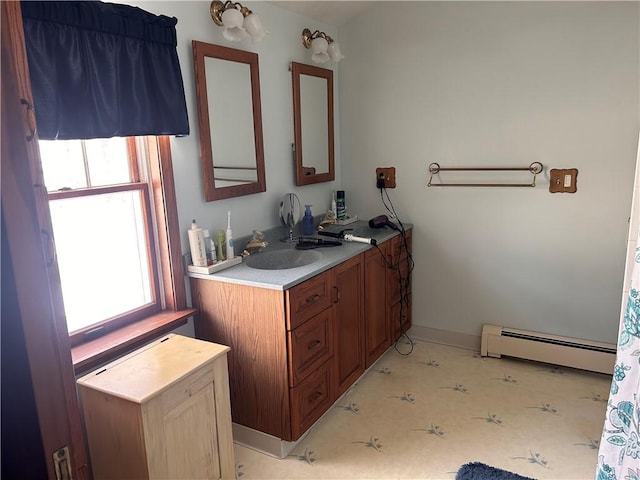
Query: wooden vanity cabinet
[(294, 351)]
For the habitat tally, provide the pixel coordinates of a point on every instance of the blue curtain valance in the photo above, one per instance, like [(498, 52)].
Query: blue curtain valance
[(103, 70)]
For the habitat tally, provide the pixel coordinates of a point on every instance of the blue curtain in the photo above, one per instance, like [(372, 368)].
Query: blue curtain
[(619, 455), (101, 70)]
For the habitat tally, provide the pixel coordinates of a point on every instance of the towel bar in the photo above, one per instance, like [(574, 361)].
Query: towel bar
[(535, 168)]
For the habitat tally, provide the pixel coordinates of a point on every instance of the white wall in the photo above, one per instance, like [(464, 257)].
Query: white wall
[(281, 46), (499, 84)]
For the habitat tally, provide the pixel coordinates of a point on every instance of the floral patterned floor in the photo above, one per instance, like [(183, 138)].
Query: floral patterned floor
[(423, 415)]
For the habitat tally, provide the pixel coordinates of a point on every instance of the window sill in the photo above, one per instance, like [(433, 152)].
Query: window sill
[(115, 344)]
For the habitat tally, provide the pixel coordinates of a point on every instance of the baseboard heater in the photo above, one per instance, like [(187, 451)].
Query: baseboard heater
[(553, 349)]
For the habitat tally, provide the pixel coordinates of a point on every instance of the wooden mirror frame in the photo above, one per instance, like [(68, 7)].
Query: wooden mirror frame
[(201, 51), (303, 177)]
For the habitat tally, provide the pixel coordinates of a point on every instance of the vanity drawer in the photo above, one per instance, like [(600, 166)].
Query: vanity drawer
[(308, 299), (311, 399), (310, 345)]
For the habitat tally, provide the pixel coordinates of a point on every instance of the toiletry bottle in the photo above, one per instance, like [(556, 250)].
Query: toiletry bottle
[(221, 242), (307, 221), (341, 207), (197, 245), (229, 245), (207, 245), (210, 245), (333, 205)]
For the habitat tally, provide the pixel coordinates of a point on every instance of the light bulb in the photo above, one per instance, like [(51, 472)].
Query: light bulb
[(334, 52), (319, 48), (253, 26), (232, 20)]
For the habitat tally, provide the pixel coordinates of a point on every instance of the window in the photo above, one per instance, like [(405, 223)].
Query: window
[(103, 215)]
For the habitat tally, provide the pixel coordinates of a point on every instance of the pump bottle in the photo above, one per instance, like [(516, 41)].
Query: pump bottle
[(197, 245), (307, 221)]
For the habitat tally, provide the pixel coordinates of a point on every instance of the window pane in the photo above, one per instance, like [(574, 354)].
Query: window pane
[(108, 161), (62, 164), (102, 256)]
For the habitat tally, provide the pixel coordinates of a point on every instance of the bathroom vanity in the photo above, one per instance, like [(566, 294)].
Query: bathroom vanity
[(300, 337)]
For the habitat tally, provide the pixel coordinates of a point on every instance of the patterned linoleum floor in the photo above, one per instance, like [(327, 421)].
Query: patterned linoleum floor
[(424, 415)]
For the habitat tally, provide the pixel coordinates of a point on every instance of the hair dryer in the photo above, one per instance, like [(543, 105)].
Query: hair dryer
[(382, 221)]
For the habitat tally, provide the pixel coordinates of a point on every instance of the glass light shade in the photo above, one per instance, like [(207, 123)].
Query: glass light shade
[(253, 26), (319, 48), (232, 20), (334, 52)]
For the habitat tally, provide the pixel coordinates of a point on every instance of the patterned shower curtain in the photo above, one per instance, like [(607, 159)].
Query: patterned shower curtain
[(619, 455)]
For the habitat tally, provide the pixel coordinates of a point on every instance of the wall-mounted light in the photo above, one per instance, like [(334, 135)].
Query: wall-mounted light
[(238, 21), (324, 48)]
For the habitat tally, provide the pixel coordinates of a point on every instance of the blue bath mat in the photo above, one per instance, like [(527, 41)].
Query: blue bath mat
[(480, 471)]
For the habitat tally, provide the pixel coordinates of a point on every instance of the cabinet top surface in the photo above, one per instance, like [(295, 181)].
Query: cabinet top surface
[(151, 369), (287, 278)]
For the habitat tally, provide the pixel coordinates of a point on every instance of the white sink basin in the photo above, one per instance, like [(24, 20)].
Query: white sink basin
[(282, 259)]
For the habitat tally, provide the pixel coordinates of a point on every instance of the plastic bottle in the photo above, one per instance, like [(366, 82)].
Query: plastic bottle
[(197, 245), (221, 242), (333, 205), (210, 246), (341, 207), (307, 221), (229, 238)]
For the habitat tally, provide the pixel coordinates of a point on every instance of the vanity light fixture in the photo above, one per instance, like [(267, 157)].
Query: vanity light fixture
[(324, 48), (238, 21)]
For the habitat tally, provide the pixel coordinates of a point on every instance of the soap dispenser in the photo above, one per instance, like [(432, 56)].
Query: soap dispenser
[(307, 221)]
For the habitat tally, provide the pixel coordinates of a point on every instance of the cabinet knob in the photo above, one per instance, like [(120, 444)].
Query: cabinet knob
[(313, 344)]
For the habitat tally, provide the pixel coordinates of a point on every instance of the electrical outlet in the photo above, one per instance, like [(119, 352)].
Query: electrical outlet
[(563, 180), (386, 177)]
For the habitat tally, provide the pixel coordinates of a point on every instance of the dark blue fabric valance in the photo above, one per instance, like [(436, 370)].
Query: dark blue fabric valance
[(103, 70)]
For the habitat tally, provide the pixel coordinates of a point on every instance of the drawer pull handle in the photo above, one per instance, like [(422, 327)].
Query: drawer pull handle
[(315, 396), (336, 294), (313, 298), (313, 344)]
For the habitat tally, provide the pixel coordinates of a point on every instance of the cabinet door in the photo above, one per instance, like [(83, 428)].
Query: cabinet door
[(189, 434), (349, 358), (400, 318), (399, 286), (377, 328)]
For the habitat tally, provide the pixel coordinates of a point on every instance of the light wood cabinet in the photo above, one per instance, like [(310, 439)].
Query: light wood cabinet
[(161, 412)]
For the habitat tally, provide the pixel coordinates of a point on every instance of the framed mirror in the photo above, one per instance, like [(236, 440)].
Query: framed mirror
[(229, 120), (313, 123)]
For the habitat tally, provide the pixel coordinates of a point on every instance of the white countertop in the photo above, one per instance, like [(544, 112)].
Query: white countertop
[(287, 278)]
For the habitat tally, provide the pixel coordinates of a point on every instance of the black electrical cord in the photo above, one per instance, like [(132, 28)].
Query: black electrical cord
[(404, 281)]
